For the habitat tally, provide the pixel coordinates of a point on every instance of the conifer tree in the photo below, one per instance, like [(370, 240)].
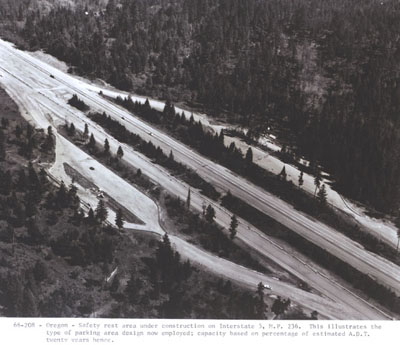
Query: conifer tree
[(233, 227), (171, 156), (106, 147), (119, 219), (249, 156), (301, 181), (120, 152), (101, 211), (210, 214), (397, 223), (50, 131), (86, 131), (90, 216), (317, 180), (260, 303), (188, 199), (61, 196), (92, 142), (282, 175), (322, 195), (71, 130)]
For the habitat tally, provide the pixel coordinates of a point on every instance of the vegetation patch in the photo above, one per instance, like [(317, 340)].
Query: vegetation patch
[(76, 102)]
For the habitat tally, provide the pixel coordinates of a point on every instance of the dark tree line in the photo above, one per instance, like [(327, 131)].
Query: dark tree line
[(254, 69), (171, 289), (76, 102)]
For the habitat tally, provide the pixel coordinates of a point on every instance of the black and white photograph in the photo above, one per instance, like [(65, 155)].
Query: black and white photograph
[(200, 160)]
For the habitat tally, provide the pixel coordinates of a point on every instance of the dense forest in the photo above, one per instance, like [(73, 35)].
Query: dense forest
[(328, 71)]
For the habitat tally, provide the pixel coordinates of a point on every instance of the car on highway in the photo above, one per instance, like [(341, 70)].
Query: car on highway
[(266, 286)]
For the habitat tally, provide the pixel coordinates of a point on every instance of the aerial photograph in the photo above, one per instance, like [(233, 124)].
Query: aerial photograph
[(200, 159)]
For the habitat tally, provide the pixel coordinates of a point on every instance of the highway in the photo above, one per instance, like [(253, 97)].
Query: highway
[(22, 74)]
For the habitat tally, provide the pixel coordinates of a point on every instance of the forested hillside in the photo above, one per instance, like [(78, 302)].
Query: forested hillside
[(327, 70)]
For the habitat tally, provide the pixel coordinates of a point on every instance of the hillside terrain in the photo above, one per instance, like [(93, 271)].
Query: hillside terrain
[(322, 74)]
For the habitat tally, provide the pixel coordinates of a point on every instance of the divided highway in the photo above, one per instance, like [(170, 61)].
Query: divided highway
[(33, 78)]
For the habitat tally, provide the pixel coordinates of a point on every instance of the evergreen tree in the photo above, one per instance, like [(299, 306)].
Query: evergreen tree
[(92, 142), (86, 131), (397, 223), (90, 216), (221, 139), (301, 181), (282, 175), (203, 208), (42, 176), (210, 214), (322, 195), (50, 131), (260, 303), (171, 157), (119, 222), (120, 152), (314, 315), (106, 147), (61, 196), (233, 227), (73, 196), (33, 178), (280, 306), (28, 148), (101, 211), (188, 199), (49, 141), (249, 156), (71, 130), (317, 179)]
